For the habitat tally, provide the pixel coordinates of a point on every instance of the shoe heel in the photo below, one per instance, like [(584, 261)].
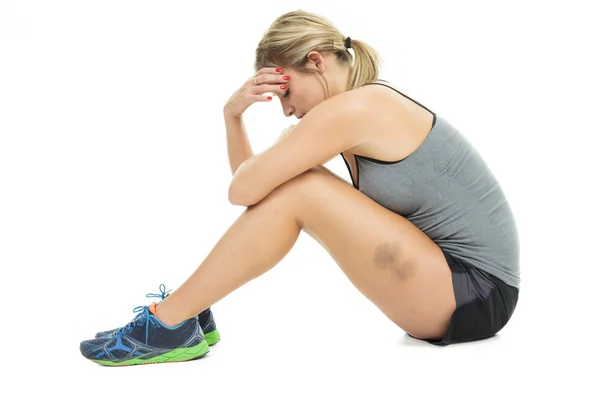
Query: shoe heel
[(212, 337)]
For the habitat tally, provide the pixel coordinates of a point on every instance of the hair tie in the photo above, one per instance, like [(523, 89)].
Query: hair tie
[(348, 42)]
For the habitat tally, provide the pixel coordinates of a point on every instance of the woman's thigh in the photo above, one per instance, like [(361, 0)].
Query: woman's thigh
[(390, 261)]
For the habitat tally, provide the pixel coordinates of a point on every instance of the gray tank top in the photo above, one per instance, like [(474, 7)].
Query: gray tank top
[(446, 189)]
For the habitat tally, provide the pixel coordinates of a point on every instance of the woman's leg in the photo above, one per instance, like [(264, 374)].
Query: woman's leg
[(388, 259)]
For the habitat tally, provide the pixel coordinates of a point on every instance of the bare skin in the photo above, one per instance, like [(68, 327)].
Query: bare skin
[(387, 258)]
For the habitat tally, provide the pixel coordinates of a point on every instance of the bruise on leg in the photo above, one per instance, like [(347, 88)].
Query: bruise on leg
[(389, 255)]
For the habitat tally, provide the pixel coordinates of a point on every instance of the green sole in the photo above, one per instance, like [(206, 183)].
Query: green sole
[(176, 355), (212, 337)]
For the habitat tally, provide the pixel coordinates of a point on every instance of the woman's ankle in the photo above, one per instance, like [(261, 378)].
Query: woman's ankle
[(165, 317)]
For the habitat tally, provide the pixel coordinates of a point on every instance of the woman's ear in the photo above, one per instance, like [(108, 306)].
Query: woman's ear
[(315, 61)]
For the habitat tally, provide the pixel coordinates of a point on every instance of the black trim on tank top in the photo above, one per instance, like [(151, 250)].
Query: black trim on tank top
[(357, 173), (350, 170), (397, 91), (356, 185), (395, 162)]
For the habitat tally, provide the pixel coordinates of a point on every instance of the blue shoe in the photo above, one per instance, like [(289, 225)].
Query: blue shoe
[(205, 318), (146, 340)]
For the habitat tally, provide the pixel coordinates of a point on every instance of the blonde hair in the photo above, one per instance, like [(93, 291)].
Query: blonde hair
[(293, 35)]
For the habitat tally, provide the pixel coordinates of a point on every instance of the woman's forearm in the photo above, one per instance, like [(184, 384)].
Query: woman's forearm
[(238, 146)]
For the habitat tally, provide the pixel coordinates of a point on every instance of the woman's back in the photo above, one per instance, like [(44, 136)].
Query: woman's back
[(447, 190)]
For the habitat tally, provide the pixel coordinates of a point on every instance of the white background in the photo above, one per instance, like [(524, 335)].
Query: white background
[(114, 178)]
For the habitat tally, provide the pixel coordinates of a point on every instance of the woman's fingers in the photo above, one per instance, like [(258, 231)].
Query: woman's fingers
[(267, 80), (268, 76)]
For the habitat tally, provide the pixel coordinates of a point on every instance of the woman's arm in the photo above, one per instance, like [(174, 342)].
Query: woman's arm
[(239, 149), (330, 172), (238, 146)]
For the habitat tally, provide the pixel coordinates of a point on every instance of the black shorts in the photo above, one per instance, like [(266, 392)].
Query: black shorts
[(484, 304)]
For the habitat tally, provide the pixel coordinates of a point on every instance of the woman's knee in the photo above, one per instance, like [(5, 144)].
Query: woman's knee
[(300, 182), (288, 192)]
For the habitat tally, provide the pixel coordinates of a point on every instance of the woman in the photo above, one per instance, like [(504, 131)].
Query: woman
[(424, 231)]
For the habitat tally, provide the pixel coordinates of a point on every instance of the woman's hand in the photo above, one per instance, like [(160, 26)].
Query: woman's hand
[(269, 81)]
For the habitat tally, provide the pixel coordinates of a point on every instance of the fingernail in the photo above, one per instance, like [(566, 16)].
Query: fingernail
[(283, 87), (278, 70), (269, 97), (286, 78)]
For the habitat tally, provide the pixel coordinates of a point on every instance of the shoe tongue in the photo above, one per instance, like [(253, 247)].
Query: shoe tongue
[(152, 308)]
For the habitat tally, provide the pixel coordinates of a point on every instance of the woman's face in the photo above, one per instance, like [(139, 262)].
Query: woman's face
[(303, 93), (307, 90)]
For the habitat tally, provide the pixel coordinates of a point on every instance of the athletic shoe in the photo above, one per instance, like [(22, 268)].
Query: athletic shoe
[(146, 340), (205, 318)]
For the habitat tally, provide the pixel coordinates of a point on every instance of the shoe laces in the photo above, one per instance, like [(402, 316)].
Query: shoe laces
[(142, 317), (162, 295)]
